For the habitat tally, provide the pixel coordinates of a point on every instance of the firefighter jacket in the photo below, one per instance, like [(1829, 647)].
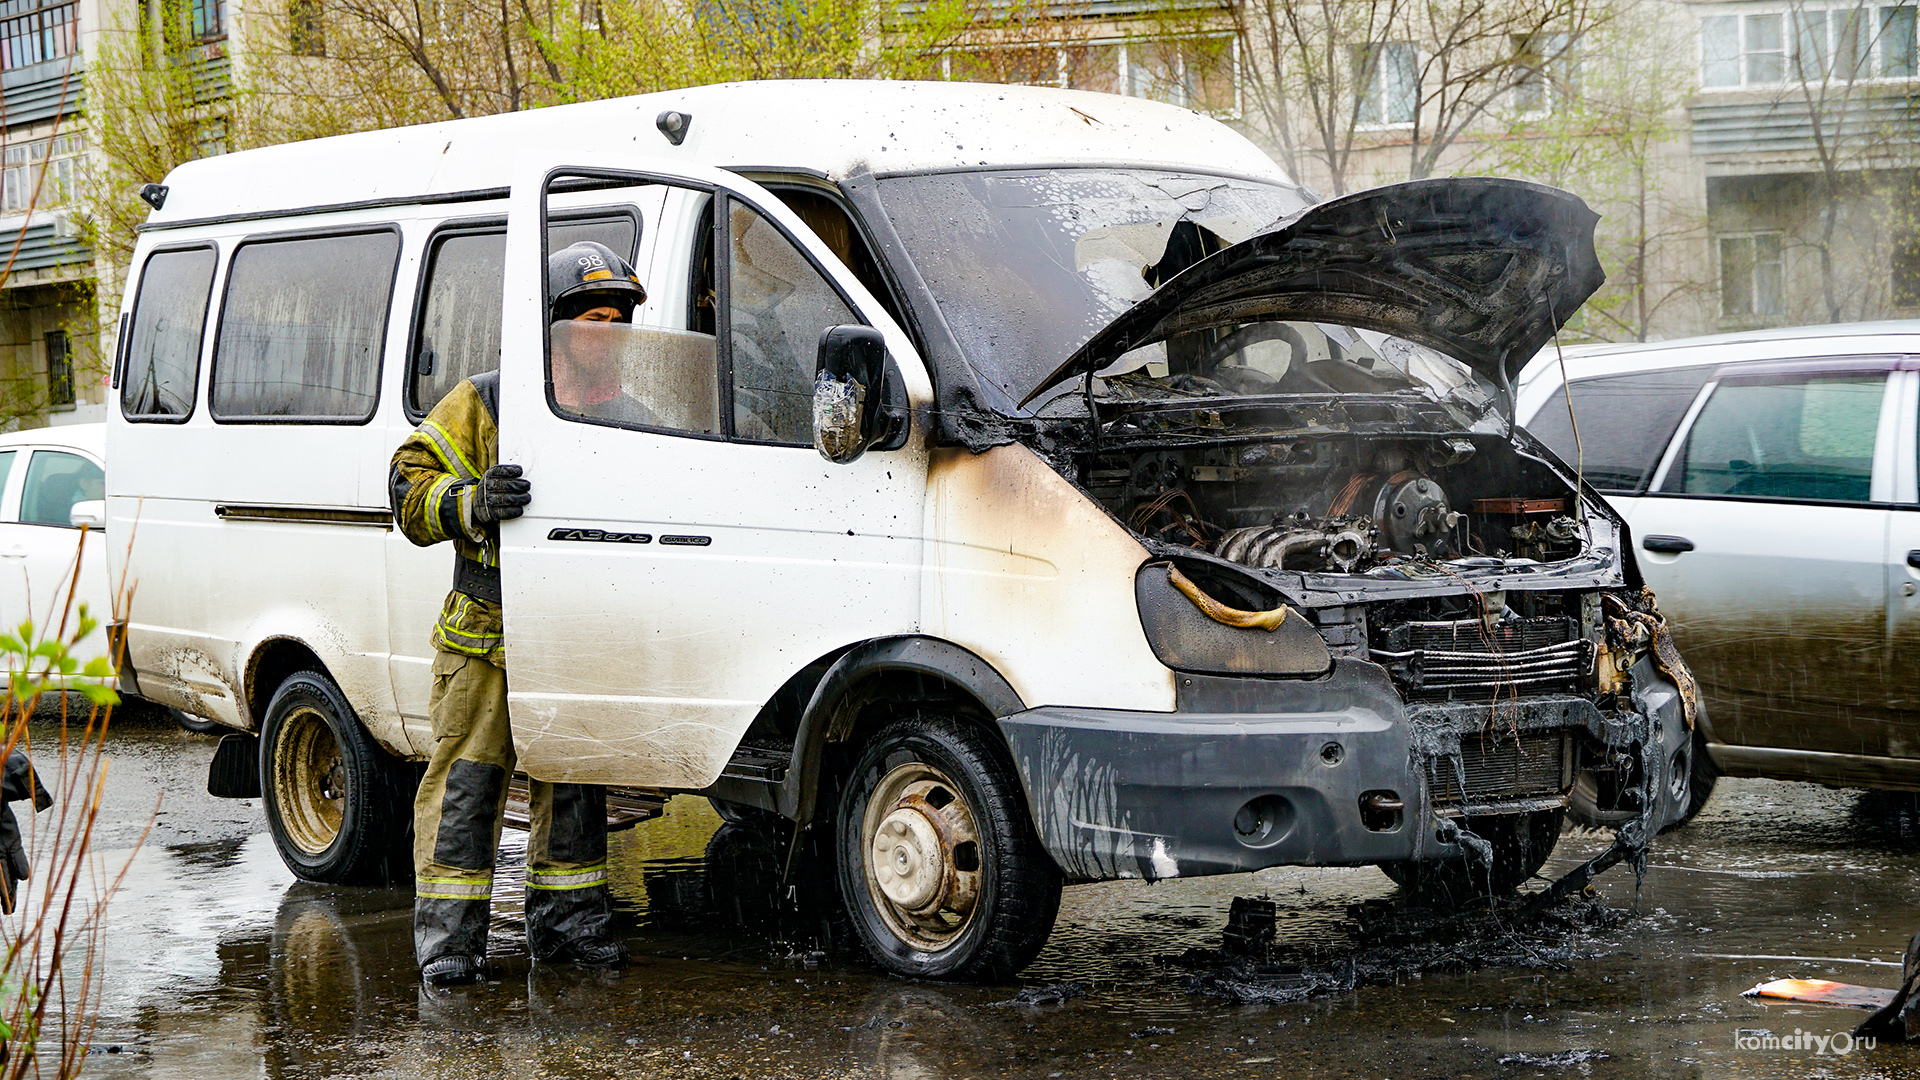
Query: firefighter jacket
[(433, 487)]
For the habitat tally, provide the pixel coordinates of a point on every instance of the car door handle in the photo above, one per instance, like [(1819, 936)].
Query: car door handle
[(1672, 545), (1913, 558), (14, 553)]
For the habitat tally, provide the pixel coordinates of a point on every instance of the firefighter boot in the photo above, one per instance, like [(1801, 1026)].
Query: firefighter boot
[(450, 939), (569, 912)]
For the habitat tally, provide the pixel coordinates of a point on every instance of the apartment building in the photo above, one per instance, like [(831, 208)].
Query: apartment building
[(1807, 126), (46, 318)]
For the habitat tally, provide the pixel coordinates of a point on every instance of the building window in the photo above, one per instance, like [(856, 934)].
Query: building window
[(33, 32), (1895, 43), (1386, 78), (306, 30), (1201, 73), (1807, 44), (1906, 271), (20, 167), (1543, 71), (207, 19), (1752, 275), (59, 369)]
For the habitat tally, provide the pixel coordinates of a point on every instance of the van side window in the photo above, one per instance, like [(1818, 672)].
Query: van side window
[(777, 304), (1625, 421), (831, 223), (459, 330), (1795, 437), (302, 328), (163, 350), (661, 371)]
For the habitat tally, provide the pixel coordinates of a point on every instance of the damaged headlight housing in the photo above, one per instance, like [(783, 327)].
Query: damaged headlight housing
[(1190, 628)]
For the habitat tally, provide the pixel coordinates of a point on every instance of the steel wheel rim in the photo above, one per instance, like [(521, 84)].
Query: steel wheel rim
[(921, 856), (309, 781)]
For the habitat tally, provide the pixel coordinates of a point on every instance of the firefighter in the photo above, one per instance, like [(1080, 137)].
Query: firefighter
[(446, 484)]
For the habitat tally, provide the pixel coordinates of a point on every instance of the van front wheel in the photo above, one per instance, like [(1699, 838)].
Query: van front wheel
[(340, 808), (938, 863)]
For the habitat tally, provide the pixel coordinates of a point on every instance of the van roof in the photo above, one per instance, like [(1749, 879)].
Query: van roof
[(831, 127)]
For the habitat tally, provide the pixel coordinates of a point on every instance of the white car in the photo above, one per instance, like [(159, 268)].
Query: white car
[(49, 473), (52, 481), (1768, 480)]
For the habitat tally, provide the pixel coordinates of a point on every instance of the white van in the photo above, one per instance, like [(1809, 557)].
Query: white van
[(1173, 525)]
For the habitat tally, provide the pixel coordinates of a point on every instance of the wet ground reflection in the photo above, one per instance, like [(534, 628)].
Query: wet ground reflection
[(221, 965)]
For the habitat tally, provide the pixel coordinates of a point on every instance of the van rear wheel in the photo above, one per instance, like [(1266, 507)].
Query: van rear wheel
[(340, 808), (939, 867)]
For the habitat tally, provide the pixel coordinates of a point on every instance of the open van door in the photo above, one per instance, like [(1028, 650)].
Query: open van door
[(687, 550)]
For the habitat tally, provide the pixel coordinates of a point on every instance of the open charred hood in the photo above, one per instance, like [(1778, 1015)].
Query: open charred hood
[(1482, 269)]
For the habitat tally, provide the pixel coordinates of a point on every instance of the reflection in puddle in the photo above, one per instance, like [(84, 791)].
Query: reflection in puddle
[(221, 965)]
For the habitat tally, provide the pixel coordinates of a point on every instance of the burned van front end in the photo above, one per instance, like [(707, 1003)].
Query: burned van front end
[(1400, 631), (1363, 673)]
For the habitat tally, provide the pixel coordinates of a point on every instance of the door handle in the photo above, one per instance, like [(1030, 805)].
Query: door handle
[(1913, 558), (15, 552), (1672, 545)]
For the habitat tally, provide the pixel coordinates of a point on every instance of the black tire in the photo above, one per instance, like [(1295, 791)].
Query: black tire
[(1521, 843), (734, 813), (1701, 776), (340, 808), (950, 785), (195, 724)]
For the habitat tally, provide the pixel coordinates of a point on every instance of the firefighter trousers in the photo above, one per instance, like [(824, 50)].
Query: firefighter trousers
[(457, 817)]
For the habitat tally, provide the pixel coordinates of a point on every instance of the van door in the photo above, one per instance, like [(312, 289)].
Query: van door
[(687, 550), (1765, 539)]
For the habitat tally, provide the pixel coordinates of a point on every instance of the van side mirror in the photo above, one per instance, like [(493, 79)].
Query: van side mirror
[(89, 512), (852, 386)]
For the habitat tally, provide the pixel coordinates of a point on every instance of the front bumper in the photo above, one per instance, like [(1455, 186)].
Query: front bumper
[(1255, 773)]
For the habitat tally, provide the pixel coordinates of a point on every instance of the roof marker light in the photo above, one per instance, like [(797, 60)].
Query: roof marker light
[(673, 125)]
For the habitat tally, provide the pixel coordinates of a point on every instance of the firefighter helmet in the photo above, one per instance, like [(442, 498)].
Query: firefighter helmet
[(587, 275)]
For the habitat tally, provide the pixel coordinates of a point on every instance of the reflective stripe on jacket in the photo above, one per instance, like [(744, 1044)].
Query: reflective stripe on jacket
[(432, 487)]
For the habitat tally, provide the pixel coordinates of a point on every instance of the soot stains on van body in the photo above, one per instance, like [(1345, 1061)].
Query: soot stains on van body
[(1314, 423)]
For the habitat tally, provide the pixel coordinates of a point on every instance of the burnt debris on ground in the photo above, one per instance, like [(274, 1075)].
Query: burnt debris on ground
[(1387, 940)]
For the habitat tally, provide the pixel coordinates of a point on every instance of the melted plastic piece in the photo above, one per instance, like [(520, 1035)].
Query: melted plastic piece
[(836, 418)]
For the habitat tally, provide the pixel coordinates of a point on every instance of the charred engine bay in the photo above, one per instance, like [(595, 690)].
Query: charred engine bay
[(1388, 490), (1460, 560)]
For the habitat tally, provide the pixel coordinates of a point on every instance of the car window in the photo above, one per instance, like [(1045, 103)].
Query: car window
[(163, 347), (458, 334), (777, 305), (1625, 423), (302, 328), (1803, 437), (6, 470), (55, 481), (660, 372)]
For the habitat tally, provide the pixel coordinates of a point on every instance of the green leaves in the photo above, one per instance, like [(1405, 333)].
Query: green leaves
[(34, 667)]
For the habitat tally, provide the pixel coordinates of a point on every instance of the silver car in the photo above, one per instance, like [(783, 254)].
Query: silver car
[(1768, 480)]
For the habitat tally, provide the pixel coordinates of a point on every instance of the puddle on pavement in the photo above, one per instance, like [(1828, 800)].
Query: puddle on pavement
[(221, 965)]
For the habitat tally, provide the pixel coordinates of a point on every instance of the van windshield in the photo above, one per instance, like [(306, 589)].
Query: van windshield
[(1027, 265)]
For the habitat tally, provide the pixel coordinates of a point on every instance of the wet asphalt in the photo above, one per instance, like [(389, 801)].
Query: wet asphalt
[(218, 963)]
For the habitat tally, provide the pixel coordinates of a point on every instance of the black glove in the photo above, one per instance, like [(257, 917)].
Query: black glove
[(502, 494), (17, 781)]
